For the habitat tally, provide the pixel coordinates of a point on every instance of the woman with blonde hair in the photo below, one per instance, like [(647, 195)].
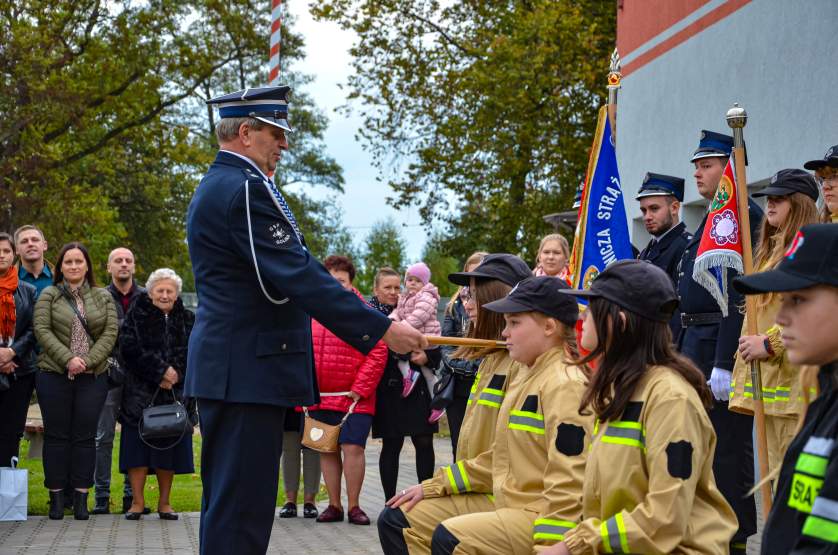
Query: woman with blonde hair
[(553, 257), (826, 172), (791, 205)]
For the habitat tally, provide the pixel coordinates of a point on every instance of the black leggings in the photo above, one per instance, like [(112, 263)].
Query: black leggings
[(388, 463)]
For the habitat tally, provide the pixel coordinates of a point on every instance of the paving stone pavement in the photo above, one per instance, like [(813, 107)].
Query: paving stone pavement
[(112, 534)]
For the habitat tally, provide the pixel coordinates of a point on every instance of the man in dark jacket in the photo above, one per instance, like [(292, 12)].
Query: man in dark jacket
[(710, 340), (123, 289), (250, 352), (660, 199)]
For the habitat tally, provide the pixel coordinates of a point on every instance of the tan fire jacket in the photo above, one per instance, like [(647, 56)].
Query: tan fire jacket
[(781, 391), (649, 485), (487, 392), (537, 460)]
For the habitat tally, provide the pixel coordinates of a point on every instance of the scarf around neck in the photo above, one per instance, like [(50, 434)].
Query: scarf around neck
[(8, 286)]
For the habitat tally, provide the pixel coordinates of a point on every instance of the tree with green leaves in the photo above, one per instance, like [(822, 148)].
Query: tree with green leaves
[(384, 246), (104, 132), (479, 113)]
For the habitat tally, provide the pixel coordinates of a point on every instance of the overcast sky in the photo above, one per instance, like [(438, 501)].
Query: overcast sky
[(363, 203)]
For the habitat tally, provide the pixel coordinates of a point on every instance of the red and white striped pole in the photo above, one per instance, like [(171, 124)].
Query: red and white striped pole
[(276, 25)]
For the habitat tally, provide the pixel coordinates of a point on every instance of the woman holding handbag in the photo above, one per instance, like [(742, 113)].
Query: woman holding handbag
[(153, 344), (347, 380), (76, 327)]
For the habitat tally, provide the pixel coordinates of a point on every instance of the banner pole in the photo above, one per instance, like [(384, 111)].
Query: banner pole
[(736, 120)]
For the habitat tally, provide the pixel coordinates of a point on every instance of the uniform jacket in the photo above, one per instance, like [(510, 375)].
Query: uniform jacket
[(419, 310), (340, 367), (804, 517), (149, 343), (53, 322), (666, 254), (478, 430), (649, 485), (780, 378), (537, 459), (244, 348), (711, 345), (23, 343)]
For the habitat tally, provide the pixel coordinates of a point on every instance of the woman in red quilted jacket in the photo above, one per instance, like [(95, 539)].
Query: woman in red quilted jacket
[(342, 369)]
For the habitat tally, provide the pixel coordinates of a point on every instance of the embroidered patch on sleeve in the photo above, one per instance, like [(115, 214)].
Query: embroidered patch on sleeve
[(679, 459), (570, 439), (280, 236)]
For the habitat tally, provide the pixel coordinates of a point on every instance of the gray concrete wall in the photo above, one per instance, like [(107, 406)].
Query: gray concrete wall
[(777, 58)]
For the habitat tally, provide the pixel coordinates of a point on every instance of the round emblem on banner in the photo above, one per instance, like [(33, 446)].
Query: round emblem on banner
[(315, 434), (722, 194), (725, 230), (588, 278)]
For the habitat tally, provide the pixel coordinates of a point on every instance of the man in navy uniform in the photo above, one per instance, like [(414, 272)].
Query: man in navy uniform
[(660, 199), (710, 340), (250, 352)]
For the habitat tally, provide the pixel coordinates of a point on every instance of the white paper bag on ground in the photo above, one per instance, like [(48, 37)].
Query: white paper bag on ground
[(14, 492)]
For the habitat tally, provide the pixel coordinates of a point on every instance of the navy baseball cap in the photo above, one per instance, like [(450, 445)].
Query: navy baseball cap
[(713, 145), (811, 260), (829, 159), (507, 268), (266, 104), (786, 182), (635, 285), (539, 294), (656, 184)]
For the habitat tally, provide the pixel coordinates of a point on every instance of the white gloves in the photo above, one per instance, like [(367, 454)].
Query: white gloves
[(720, 384)]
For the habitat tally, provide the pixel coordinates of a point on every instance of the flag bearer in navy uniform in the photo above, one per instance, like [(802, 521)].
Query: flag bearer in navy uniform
[(804, 516), (250, 353), (660, 199), (711, 340)]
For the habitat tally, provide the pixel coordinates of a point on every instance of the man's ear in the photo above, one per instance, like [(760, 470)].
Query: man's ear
[(244, 134)]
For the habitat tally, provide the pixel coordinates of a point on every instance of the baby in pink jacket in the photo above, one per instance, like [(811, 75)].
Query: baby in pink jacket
[(418, 307)]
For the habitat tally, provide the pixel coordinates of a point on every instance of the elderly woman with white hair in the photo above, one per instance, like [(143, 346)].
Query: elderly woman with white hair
[(153, 343)]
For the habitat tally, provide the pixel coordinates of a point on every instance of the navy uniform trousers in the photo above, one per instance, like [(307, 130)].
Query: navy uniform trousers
[(245, 482), (714, 344)]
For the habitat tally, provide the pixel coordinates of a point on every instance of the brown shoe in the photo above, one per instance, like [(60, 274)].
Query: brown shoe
[(357, 516), (331, 514)]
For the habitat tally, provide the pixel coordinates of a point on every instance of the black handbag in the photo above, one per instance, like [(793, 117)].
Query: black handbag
[(443, 390), (169, 421)]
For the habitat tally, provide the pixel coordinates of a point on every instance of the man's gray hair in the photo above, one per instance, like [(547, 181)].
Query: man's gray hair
[(228, 128), (164, 273)]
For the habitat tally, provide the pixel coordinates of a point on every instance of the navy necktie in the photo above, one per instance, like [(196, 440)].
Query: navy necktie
[(285, 208)]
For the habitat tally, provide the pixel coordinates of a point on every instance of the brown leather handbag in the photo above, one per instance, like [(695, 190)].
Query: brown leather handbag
[(319, 436)]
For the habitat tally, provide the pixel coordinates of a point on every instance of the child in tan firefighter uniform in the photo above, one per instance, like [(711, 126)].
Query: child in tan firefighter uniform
[(649, 485), (535, 467), (791, 205), (804, 517)]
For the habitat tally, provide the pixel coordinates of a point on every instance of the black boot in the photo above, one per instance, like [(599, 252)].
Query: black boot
[(56, 505), (68, 497), (127, 501), (80, 505), (102, 506)]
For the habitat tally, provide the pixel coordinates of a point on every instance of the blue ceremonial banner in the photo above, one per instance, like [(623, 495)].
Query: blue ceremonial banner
[(602, 234)]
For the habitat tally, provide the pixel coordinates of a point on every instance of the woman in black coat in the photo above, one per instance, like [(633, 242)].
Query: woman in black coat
[(17, 351), (153, 344), (397, 417)]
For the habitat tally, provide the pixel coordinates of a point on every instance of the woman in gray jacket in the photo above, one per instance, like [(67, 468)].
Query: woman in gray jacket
[(76, 328)]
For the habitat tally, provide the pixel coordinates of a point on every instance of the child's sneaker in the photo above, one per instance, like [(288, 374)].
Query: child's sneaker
[(436, 414), (410, 382)]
